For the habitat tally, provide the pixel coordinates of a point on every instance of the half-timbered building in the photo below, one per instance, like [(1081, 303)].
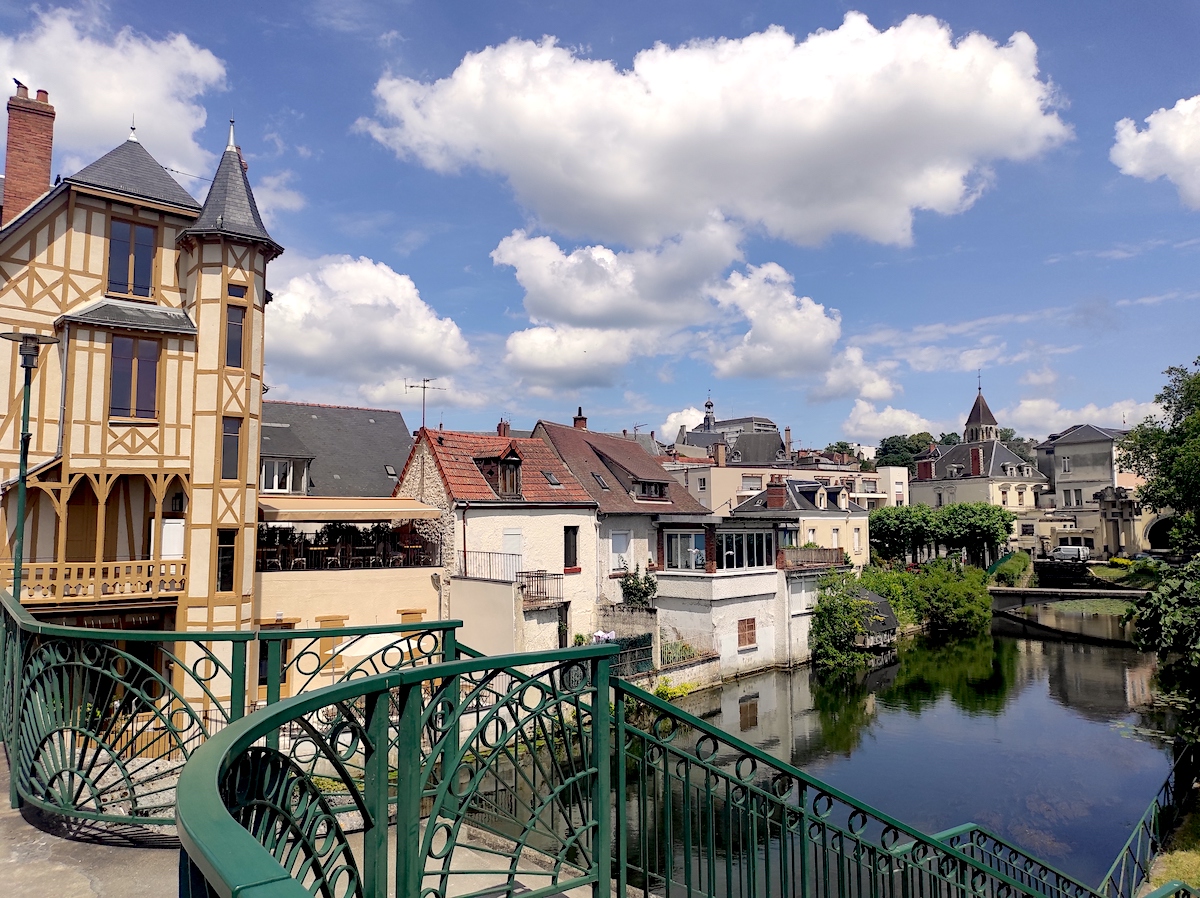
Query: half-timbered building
[(145, 415)]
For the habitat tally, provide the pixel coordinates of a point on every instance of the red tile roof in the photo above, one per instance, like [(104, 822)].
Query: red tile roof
[(455, 453), (616, 459)]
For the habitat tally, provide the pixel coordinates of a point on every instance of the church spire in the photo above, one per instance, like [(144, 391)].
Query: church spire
[(981, 424)]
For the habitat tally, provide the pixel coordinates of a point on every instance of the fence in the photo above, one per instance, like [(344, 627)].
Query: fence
[(540, 587), (795, 557), (500, 566)]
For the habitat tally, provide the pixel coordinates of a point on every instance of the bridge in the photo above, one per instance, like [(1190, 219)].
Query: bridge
[(364, 761), (1005, 598)]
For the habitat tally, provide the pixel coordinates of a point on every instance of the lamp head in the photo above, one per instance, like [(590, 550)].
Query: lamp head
[(29, 345)]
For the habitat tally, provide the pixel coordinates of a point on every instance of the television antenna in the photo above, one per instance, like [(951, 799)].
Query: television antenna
[(424, 387)]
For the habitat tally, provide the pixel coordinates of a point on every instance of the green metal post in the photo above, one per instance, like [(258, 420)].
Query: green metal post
[(237, 682), (409, 863), (618, 801), (19, 546), (375, 794), (454, 694), (274, 656), (602, 797), (13, 744)]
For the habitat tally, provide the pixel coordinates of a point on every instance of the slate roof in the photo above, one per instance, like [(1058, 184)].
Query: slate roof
[(757, 449), (1082, 433), (128, 315), (348, 446), (995, 455), (280, 440), (230, 209), (131, 170), (882, 618), (619, 461), (980, 413), (455, 453), (800, 498)]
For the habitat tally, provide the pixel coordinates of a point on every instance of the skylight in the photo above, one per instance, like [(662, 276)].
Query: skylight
[(551, 478), (600, 480), (389, 470)]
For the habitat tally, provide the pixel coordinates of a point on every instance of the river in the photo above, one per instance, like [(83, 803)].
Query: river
[(1045, 743)]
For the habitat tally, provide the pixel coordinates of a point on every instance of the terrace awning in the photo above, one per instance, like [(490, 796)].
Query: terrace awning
[(321, 509)]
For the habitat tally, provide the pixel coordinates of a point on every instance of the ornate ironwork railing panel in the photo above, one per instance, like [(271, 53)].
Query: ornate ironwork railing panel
[(1132, 866), (98, 724), (1014, 862), (526, 761)]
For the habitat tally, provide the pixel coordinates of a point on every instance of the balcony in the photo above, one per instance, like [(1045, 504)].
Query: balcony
[(500, 567), (539, 588), (796, 558), (72, 581)]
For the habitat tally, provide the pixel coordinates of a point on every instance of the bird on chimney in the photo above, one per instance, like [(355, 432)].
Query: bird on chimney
[(19, 84)]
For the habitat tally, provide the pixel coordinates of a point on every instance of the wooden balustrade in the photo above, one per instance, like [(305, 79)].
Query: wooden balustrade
[(44, 582)]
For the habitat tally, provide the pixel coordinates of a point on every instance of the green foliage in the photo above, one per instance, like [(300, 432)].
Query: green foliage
[(973, 526), (1165, 452), (1022, 446), (899, 529), (811, 545), (579, 639), (956, 598), (901, 449), (949, 439), (1009, 571), (1120, 562), (977, 673), (669, 692), (840, 446), (899, 587), (637, 589), (1168, 622), (837, 620)]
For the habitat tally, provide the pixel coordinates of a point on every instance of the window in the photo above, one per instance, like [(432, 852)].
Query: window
[(751, 482), (570, 547), (1020, 497), (857, 540), (647, 489), (870, 486), (1066, 497), (389, 470), (745, 550), (811, 536), (1066, 464), (1003, 497), (747, 713), (833, 542), (1027, 530), (285, 646), (130, 258), (1078, 497), (622, 542), (133, 389), (276, 475), (685, 551), (237, 291), (226, 559), (510, 479), (551, 478), (747, 633), (941, 500), (600, 480), (821, 501), (231, 443), (701, 484), (788, 538), (235, 320)]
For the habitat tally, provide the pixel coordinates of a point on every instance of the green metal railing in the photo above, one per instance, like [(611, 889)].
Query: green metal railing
[(547, 776), (97, 724)]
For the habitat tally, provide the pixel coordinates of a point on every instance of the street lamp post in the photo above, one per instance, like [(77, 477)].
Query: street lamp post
[(30, 346)]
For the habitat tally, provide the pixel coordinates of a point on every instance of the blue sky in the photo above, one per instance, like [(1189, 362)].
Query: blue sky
[(831, 215)]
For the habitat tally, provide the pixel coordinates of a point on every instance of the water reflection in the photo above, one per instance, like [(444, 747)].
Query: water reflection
[(1035, 740), (1105, 627)]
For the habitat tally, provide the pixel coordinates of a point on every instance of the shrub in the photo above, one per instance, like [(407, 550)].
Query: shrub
[(637, 589), (1120, 562), (837, 620)]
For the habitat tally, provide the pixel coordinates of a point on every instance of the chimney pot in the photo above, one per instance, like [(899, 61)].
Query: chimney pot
[(30, 144), (502, 429)]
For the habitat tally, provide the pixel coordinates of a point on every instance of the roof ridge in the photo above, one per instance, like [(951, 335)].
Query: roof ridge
[(359, 408)]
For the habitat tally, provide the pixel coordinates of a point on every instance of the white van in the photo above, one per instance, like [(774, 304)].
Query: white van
[(1070, 553)]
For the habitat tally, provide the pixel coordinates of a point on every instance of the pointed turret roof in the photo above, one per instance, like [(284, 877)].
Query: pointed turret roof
[(131, 170), (229, 209), (980, 413)]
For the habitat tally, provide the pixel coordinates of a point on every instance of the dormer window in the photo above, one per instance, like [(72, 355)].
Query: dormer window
[(131, 258), (649, 489), (821, 500), (510, 479)]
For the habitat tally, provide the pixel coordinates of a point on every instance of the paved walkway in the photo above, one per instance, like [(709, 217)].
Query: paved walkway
[(42, 858)]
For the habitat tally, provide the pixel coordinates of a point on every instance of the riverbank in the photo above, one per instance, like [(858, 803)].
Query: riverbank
[(1182, 861)]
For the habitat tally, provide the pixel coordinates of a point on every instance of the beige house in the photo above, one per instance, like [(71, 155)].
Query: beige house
[(982, 469), (145, 414)]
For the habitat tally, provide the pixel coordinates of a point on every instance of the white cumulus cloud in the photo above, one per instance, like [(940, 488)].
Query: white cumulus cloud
[(1168, 148), (687, 418), (1041, 417), (869, 424), (788, 334), (548, 358), (99, 80), (341, 326), (850, 375), (846, 130), (274, 194)]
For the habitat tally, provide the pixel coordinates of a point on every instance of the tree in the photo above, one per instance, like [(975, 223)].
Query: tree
[(840, 446), (1022, 446), (974, 526), (1165, 451), (837, 620), (949, 439), (897, 530), (900, 449)]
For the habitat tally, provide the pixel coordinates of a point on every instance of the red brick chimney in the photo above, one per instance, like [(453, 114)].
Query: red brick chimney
[(30, 141), (580, 421), (776, 492), (502, 429)]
